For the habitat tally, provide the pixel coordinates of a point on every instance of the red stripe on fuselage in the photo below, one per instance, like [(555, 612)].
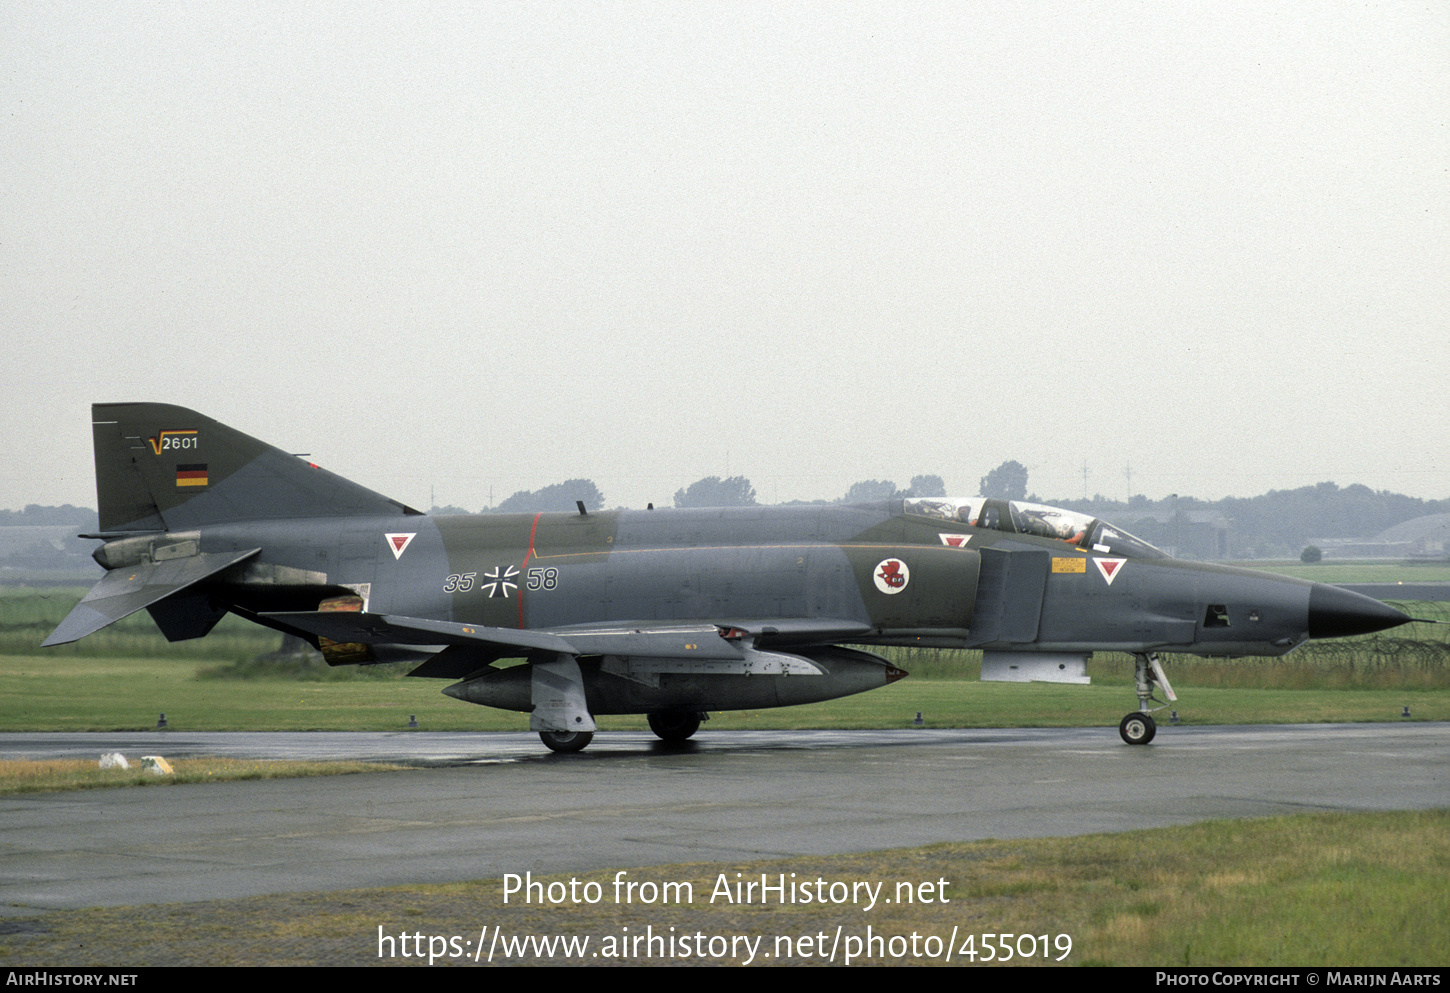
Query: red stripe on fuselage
[(527, 555)]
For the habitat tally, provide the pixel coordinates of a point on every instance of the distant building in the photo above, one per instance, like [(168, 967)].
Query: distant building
[(1426, 537), (1187, 534)]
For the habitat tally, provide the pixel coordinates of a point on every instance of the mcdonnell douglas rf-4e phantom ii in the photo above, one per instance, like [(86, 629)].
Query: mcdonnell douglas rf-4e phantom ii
[(669, 613)]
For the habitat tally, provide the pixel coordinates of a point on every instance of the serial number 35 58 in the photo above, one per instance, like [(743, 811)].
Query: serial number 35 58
[(535, 579)]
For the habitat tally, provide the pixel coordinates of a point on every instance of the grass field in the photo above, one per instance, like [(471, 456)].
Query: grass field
[(1335, 571), (28, 615), (49, 775)]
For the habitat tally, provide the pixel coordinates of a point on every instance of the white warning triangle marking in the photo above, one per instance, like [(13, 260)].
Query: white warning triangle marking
[(1109, 568), (399, 542), (954, 540)]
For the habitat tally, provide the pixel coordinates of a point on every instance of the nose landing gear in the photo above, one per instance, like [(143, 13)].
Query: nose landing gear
[(1138, 728)]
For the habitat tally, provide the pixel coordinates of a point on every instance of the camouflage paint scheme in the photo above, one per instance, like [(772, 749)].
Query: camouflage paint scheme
[(671, 613)]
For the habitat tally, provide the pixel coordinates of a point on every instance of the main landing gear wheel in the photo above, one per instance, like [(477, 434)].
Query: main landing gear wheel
[(674, 727), (566, 741), (1137, 729)]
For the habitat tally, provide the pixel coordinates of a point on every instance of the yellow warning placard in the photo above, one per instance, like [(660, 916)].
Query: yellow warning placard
[(1069, 565)]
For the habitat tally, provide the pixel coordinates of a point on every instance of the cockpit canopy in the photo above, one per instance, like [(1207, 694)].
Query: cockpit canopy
[(1019, 517)]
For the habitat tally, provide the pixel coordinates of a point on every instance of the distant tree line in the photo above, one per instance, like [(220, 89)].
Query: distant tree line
[(712, 491), (1006, 482), (39, 543), (872, 490), (559, 496), (34, 515)]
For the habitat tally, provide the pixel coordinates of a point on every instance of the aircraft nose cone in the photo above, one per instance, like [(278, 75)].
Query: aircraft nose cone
[(1335, 613)]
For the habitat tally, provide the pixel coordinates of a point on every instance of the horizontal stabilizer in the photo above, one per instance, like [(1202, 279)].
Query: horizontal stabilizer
[(122, 592)]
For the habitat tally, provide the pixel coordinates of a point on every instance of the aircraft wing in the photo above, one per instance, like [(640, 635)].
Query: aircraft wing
[(699, 641), (472, 645), (369, 629), (122, 592)]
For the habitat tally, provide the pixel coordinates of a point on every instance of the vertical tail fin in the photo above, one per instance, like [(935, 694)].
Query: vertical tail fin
[(160, 467)]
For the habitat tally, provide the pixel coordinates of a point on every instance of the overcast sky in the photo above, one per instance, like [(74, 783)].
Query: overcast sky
[(454, 250)]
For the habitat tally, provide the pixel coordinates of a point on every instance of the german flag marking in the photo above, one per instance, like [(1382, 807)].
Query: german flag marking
[(192, 474)]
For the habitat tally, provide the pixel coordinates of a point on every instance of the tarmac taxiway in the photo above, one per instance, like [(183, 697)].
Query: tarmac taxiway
[(481, 805)]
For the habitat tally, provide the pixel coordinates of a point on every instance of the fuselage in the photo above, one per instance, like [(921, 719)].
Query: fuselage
[(789, 574)]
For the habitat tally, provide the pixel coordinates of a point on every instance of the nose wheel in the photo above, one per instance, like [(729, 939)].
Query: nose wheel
[(1137, 729)]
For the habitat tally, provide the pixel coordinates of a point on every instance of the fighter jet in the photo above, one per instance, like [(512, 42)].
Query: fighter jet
[(668, 613)]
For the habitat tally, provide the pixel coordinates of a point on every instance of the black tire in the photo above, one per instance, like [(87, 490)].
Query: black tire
[(566, 741), (1137, 729), (674, 726)]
